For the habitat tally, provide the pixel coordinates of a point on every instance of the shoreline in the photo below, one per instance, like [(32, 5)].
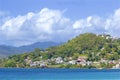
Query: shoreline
[(63, 68)]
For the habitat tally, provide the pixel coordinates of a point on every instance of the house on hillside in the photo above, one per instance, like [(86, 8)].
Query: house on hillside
[(72, 62), (81, 61), (59, 60)]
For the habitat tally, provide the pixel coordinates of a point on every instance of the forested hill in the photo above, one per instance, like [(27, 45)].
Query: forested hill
[(88, 43)]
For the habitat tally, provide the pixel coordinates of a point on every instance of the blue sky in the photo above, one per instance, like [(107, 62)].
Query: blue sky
[(80, 8), (24, 22)]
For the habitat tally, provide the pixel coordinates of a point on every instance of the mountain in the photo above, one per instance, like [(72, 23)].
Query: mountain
[(9, 50), (41, 45)]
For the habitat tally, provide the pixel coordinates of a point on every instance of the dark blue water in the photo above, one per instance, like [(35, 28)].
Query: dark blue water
[(59, 74)]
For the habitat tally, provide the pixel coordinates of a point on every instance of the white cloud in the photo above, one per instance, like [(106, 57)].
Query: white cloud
[(97, 24), (112, 24), (41, 26), (52, 25)]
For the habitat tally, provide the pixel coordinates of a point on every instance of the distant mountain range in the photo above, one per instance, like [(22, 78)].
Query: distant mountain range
[(9, 50)]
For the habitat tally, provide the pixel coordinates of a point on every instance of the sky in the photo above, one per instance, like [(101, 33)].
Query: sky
[(23, 22)]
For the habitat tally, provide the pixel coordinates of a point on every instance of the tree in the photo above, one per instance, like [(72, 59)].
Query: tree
[(10, 63)]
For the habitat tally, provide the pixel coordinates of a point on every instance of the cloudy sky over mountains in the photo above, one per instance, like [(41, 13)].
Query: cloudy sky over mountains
[(25, 22)]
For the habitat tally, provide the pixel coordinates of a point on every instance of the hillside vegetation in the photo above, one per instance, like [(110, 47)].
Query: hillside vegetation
[(102, 49), (101, 46)]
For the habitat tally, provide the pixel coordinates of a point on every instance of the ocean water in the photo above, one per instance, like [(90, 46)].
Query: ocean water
[(59, 74)]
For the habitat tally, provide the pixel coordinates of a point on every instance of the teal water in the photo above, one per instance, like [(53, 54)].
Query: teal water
[(59, 74)]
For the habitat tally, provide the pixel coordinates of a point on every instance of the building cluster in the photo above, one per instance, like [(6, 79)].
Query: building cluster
[(80, 61)]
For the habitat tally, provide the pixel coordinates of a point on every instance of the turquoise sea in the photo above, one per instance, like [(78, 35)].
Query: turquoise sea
[(59, 74)]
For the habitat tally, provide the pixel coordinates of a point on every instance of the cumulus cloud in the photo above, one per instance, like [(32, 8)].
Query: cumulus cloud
[(90, 24), (32, 27), (97, 24), (52, 25)]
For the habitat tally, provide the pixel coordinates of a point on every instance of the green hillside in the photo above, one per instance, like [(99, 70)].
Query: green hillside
[(103, 45), (96, 50)]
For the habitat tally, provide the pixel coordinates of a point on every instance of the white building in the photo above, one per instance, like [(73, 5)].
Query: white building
[(72, 62), (59, 60)]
